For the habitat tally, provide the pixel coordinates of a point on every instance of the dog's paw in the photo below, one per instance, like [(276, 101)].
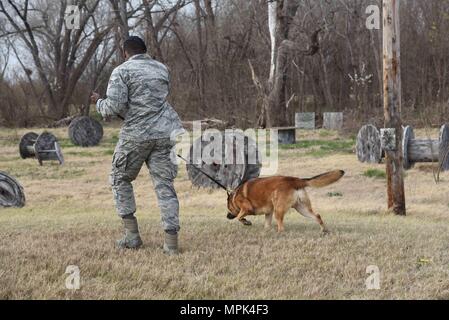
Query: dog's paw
[(246, 222)]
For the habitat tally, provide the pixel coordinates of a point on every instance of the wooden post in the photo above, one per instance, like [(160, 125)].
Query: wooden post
[(392, 104)]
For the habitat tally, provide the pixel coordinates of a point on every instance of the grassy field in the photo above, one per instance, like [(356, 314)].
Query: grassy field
[(69, 219)]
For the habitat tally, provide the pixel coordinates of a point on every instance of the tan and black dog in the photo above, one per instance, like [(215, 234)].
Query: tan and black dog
[(276, 195)]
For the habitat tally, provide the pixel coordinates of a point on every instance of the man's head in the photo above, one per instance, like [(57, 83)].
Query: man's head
[(134, 45)]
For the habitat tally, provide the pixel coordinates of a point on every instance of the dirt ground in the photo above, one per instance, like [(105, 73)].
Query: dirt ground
[(69, 219)]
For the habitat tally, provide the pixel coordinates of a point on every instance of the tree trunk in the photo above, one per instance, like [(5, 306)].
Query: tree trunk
[(285, 12), (326, 85), (121, 26), (272, 22), (200, 57), (152, 34), (211, 29), (277, 100)]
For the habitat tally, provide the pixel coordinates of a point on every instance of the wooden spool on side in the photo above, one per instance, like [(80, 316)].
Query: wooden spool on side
[(47, 148), (444, 148), (423, 150), (242, 150), (368, 146), (408, 135), (26, 145), (11, 192), (85, 131), (416, 150)]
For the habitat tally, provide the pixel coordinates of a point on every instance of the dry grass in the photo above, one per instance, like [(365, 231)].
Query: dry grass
[(70, 220)]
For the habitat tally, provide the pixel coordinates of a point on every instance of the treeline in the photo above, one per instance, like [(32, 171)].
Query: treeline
[(220, 56)]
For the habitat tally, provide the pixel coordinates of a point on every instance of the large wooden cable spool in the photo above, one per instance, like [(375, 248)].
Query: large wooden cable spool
[(26, 145), (444, 148), (368, 147), (85, 131), (43, 147), (47, 148), (408, 135), (426, 150), (11, 192), (238, 161)]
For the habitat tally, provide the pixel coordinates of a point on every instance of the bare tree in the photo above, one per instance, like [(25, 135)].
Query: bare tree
[(68, 51), (280, 16), (120, 25), (159, 19), (4, 59), (94, 75), (208, 46)]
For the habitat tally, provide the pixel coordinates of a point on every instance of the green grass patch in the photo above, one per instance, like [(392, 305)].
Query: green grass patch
[(10, 140), (94, 114), (66, 143), (109, 152), (81, 153), (111, 141), (375, 173), (320, 148), (68, 173), (326, 133), (334, 194), (10, 159), (50, 170), (106, 142)]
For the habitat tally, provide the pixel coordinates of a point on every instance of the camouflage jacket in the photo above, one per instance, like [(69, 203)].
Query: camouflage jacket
[(137, 92)]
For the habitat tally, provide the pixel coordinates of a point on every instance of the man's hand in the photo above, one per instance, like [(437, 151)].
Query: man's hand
[(94, 97)]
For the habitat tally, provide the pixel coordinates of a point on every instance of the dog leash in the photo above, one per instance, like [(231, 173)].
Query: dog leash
[(228, 191)]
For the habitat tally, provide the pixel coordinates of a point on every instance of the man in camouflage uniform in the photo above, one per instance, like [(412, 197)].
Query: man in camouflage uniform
[(137, 93)]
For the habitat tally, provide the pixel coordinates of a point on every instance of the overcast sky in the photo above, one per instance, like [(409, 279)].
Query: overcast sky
[(14, 66)]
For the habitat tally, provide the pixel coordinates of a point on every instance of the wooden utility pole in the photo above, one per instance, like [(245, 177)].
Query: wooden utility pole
[(392, 140)]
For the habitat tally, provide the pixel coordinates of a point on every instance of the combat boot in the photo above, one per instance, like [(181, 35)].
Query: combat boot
[(171, 244), (131, 239)]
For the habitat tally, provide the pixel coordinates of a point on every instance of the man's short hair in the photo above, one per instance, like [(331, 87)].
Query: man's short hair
[(134, 45)]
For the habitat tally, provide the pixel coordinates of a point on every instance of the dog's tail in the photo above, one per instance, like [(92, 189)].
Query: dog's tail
[(324, 179)]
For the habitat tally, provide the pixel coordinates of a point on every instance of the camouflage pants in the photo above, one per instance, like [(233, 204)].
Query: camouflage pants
[(128, 159)]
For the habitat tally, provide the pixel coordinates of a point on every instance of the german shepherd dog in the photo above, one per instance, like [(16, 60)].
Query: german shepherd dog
[(276, 195)]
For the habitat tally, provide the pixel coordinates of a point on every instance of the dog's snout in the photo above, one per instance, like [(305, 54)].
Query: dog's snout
[(230, 216)]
